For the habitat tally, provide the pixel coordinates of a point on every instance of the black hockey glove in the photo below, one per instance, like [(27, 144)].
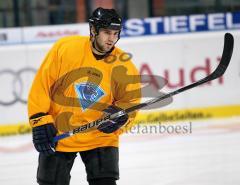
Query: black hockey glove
[(113, 124), (43, 133), (43, 138)]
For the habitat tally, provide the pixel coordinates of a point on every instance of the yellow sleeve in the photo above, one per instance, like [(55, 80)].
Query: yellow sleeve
[(126, 90), (39, 96)]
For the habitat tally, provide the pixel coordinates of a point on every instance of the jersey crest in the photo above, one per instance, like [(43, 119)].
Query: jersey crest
[(88, 94)]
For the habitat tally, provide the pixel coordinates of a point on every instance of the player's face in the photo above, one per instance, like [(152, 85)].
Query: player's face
[(106, 39)]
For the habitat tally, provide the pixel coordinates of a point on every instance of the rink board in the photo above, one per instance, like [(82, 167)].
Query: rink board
[(179, 59)]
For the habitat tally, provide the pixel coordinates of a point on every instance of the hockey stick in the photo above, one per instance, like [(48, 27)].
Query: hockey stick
[(219, 71)]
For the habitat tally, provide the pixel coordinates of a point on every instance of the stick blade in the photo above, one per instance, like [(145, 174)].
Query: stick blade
[(226, 55)]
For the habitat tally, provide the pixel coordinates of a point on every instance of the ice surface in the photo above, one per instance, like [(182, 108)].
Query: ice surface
[(207, 156)]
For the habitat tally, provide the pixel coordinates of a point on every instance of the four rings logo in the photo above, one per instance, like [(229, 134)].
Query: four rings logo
[(15, 85)]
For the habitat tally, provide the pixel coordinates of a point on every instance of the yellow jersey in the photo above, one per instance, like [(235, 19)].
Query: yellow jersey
[(74, 88)]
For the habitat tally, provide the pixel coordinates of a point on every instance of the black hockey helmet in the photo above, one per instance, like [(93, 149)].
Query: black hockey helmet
[(105, 18)]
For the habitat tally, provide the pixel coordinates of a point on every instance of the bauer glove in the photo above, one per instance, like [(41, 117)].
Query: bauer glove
[(43, 135), (113, 124)]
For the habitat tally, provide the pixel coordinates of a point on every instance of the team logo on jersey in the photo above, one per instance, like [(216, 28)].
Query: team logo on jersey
[(88, 94)]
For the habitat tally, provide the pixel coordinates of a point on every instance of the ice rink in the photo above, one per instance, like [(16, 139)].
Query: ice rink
[(210, 155)]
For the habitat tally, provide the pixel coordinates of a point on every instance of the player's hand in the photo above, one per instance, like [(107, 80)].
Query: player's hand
[(113, 124), (43, 138)]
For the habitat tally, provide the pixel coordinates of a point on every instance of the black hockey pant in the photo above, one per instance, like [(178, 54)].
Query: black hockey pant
[(101, 167)]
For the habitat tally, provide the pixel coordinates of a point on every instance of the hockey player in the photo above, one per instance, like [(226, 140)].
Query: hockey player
[(80, 80)]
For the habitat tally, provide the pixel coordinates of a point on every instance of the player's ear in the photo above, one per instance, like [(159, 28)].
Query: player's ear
[(93, 31)]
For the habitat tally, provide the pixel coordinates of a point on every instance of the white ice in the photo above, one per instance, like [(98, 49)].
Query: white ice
[(210, 155)]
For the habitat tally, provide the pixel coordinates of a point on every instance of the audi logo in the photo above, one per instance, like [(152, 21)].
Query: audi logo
[(15, 85)]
